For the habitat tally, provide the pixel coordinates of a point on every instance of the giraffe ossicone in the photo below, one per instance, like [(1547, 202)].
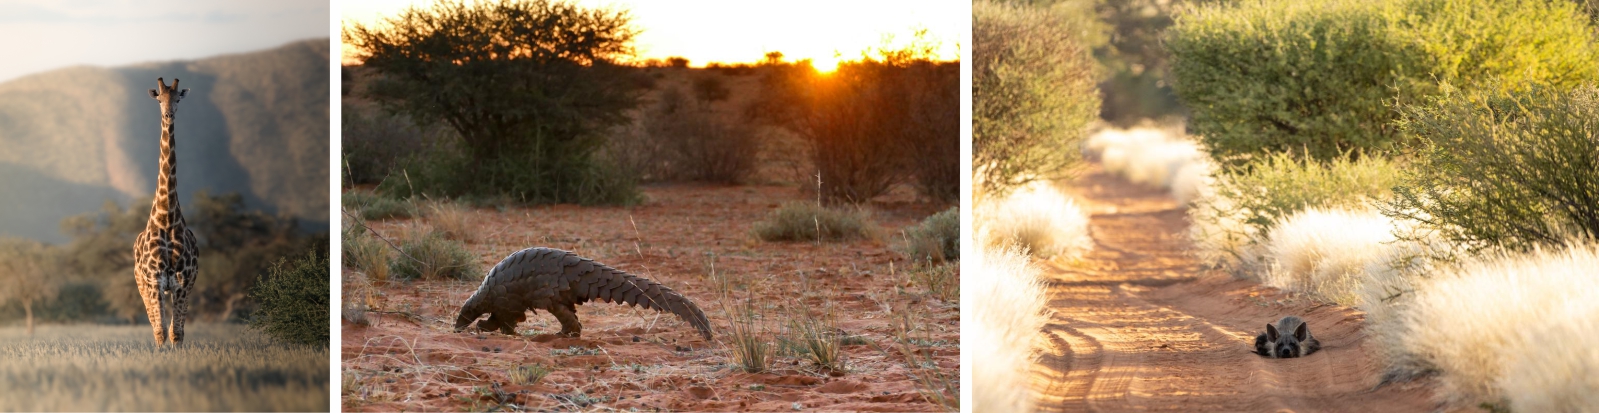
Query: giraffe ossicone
[(165, 255)]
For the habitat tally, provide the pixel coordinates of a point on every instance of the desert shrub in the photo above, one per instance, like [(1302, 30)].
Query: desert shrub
[(449, 172), (1505, 169), (1321, 77), (368, 205), (684, 138), (1498, 324), (1032, 95), (1039, 219), (533, 86), (1007, 316), (375, 143), (809, 221), (292, 300), (887, 118), (936, 238), (430, 256)]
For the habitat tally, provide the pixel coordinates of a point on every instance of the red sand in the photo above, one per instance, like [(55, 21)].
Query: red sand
[(1140, 326), (630, 358)]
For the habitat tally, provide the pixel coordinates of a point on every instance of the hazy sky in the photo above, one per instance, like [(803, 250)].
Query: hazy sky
[(744, 30), (37, 36)]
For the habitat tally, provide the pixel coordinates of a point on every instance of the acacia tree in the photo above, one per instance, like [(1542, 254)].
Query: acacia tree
[(26, 269), (537, 80)]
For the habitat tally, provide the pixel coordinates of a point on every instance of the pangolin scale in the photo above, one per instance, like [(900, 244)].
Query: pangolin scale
[(557, 281)]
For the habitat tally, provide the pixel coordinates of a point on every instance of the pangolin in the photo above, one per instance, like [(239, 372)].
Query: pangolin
[(557, 281)]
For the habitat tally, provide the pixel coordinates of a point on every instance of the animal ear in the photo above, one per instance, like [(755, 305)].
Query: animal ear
[(1302, 331), (183, 93), (1271, 332), (154, 95)]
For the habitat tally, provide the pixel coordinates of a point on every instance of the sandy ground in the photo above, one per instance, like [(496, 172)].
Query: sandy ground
[(410, 359), (1139, 325)]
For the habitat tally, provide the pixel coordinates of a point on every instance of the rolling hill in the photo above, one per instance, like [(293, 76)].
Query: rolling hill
[(253, 123)]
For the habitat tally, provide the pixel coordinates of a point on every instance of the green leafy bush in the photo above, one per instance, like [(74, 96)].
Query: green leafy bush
[(432, 256), (1280, 185), (1322, 77), (529, 86), (292, 300), (936, 238), (807, 221), (1033, 94), (1505, 169)]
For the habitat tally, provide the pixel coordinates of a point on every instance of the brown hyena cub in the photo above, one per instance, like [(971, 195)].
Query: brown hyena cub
[(1276, 345)]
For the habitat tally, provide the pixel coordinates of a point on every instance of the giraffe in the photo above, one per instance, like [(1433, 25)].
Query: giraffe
[(164, 255)]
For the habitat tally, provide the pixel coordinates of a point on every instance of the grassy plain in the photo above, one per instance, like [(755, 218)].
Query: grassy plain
[(222, 367)]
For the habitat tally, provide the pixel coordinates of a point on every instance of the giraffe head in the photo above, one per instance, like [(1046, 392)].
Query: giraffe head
[(168, 96)]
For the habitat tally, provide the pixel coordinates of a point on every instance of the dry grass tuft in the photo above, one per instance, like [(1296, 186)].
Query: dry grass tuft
[(941, 280), (450, 219), (1007, 316), (1146, 155), (1041, 219), (366, 253), (819, 338), (526, 375), (1517, 328), (1325, 252)]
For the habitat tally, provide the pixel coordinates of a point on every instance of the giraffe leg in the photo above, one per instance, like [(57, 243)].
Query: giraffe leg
[(567, 315), (180, 304), (152, 309)]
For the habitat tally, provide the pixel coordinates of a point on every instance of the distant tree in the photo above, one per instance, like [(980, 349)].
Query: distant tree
[(102, 250), (27, 274), (677, 61), (540, 81)]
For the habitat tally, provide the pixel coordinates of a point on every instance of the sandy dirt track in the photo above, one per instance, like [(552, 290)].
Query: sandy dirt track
[(1140, 325)]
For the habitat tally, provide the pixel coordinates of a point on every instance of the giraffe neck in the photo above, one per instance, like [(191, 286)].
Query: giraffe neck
[(164, 211)]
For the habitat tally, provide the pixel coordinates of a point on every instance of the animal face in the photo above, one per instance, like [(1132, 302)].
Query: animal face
[(1289, 346), (465, 319)]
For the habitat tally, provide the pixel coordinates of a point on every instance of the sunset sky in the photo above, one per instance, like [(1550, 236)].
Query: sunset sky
[(45, 35), (733, 31)]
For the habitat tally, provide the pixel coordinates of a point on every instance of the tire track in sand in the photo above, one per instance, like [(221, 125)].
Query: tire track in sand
[(1139, 325)]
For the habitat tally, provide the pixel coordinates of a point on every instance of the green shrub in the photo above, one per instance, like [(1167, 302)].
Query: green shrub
[(1322, 77), (1033, 94), (1280, 185), (293, 300), (431, 256), (807, 221), (368, 205), (935, 239), (1505, 169)]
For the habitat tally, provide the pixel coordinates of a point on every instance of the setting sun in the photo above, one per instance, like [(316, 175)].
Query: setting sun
[(723, 31)]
